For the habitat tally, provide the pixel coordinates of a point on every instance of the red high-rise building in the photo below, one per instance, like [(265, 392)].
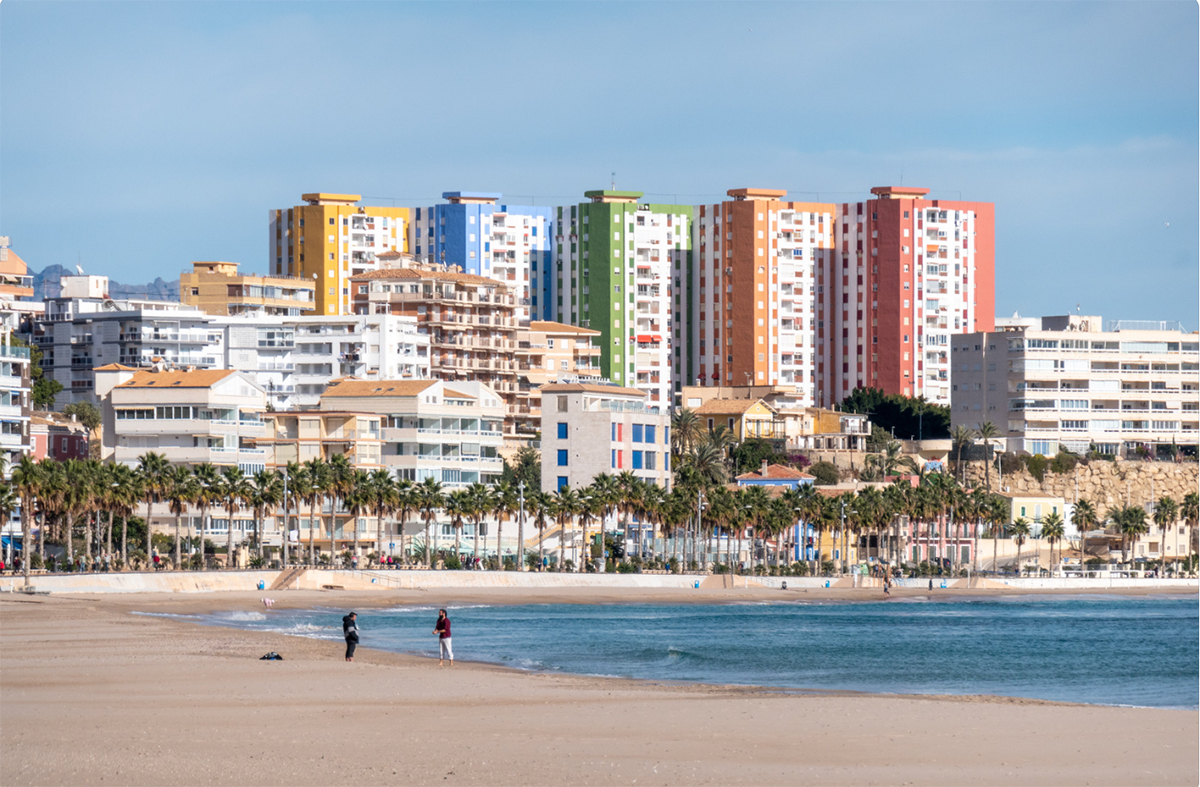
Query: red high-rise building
[(907, 272)]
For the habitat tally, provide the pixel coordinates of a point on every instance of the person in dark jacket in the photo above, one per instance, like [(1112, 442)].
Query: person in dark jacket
[(442, 630), (350, 630)]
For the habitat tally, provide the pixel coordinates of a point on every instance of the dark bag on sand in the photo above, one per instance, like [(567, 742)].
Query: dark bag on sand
[(272, 656)]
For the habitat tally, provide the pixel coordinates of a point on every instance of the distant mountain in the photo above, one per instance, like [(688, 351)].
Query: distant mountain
[(45, 285)]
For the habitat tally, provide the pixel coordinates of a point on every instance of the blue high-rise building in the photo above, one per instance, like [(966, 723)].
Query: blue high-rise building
[(509, 243)]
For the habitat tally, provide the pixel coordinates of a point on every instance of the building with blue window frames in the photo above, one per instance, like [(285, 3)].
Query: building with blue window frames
[(510, 243)]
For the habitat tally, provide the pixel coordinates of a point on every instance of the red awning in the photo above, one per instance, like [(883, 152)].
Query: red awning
[(644, 337)]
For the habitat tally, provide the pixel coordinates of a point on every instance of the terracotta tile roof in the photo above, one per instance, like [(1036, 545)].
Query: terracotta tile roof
[(415, 273), (378, 387), (776, 472), (727, 406), (114, 367), (204, 378), (546, 326), (590, 388)]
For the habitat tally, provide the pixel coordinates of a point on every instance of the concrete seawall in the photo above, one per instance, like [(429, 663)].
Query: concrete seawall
[(315, 579)]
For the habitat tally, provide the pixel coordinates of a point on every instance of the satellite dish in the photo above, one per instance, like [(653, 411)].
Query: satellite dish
[(80, 269)]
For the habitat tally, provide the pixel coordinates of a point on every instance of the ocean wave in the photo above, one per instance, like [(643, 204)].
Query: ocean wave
[(171, 615), (240, 616)]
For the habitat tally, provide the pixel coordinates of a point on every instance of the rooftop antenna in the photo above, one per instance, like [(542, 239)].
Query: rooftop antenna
[(614, 181)]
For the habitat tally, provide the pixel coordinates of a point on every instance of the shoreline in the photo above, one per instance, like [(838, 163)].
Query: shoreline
[(372, 602), (142, 699)]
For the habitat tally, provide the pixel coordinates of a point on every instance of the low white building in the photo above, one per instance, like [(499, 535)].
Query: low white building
[(187, 416), (451, 432), (1071, 383), (589, 429)]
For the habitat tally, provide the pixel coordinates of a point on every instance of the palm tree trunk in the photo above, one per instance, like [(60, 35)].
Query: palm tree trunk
[(562, 544), (258, 530), (475, 540), (108, 537), (87, 541), (178, 518), (995, 545), (125, 542), (203, 533), (379, 533), (541, 549), (499, 555), (429, 539), (68, 537), (149, 535), (457, 539), (229, 539)]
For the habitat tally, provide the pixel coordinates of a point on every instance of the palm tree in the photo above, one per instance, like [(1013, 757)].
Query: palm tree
[(316, 483), (383, 498), (1020, 531), (753, 503), (52, 501), (265, 493), (153, 468), (357, 502), (357, 491), (686, 431), (987, 432), (589, 509), (208, 479), (235, 491), (126, 490), (1053, 530), (428, 499), (629, 501), (1131, 521), (1084, 518), (479, 504), (1189, 512), (564, 505), (404, 507), (709, 461), (539, 509), (457, 507), (606, 490), (341, 481), (27, 478), (504, 505), (998, 512), (1166, 513), (294, 482), (960, 438), (182, 490)]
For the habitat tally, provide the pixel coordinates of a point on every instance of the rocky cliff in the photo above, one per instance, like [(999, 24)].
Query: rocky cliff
[(1106, 484)]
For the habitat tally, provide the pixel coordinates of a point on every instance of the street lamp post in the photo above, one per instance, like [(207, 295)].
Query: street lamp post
[(701, 504), (521, 525)]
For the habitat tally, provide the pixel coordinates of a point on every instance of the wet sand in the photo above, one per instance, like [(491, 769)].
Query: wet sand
[(92, 694)]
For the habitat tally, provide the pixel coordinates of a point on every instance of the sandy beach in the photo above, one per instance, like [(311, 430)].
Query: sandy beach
[(92, 694)]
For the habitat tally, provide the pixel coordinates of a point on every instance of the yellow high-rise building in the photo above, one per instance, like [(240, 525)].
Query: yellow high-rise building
[(331, 238)]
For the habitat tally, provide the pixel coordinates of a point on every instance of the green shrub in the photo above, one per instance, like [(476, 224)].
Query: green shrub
[(1036, 465), (35, 560), (826, 567), (826, 473), (452, 563), (626, 568), (1064, 462)]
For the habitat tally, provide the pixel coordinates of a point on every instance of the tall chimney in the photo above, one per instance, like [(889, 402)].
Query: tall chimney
[(763, 471)]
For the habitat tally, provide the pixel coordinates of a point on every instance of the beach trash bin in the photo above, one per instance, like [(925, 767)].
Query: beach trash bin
[(827, 583), (696, 585), (262, 585)]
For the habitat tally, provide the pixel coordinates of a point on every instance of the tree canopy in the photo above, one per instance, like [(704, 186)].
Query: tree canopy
[(908, 417)]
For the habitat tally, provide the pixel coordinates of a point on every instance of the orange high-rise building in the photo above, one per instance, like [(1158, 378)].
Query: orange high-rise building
[(754, 290)]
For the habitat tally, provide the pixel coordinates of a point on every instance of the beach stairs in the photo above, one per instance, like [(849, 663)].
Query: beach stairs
[(287, 579)]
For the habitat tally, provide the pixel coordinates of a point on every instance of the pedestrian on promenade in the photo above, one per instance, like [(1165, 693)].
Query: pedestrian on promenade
[(350, 631), (442, 629)]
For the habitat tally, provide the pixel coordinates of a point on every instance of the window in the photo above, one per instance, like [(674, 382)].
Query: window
[(651, 459), (637, 433), (562, 483), (637, 460), (614, 458), (650, 429), (562, 431), (562, 457), (562, 404)]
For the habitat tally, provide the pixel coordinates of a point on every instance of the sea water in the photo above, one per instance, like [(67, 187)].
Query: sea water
[(1114, 650)]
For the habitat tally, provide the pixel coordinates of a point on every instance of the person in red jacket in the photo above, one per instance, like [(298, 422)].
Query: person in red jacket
[(442, 629)]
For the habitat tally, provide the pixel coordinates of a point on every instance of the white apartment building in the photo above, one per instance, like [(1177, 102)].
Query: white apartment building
[(589, 429), (188, 416), (16, 401), (451, 432), (1064, 383), (291, 358)]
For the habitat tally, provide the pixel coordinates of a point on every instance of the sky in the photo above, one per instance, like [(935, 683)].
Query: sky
[(138, 137)]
